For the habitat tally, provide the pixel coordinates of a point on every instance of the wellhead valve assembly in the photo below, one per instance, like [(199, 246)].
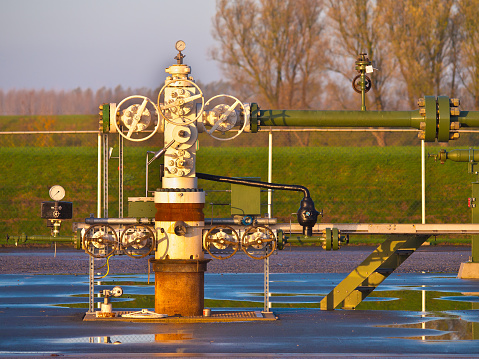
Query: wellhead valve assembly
[(174, 227)]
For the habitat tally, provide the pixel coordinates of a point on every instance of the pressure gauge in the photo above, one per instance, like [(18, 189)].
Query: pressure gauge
[(117, 291), (57, 193), (180, 45)]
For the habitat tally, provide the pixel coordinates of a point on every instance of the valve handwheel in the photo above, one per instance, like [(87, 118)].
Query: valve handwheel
[(259, 242), (137, 118), (225, 121), (179, 104), (137, 240), (100, 240), (221, 238), (357, 83)]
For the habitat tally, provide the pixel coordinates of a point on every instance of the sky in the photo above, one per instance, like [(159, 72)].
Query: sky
[(66, 44)]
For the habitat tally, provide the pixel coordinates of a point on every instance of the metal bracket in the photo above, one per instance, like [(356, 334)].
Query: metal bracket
[(372, 271)]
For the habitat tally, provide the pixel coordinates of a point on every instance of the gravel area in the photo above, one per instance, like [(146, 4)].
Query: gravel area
[(436, 259)]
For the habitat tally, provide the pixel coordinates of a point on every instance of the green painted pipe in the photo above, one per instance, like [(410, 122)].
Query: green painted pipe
[(469, 118), (463, 155), (303, 118), (303, 240), (401, 119), (41, 238)]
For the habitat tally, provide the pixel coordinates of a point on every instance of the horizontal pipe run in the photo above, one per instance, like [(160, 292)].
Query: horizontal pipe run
[(344, 228), (384, 228), (304, 118), (332, 129), (125, 221), (468, 118), (237, 221), (41, 238), (463, 155), (301, 240), (46, 132), (148, 221)]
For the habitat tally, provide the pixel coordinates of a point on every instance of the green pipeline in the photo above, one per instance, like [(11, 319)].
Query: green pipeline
[(463, 155), (40, 238), (387, 119), (303, 118)]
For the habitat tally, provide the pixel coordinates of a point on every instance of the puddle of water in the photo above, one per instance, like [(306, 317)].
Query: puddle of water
[(451, 328), (447, 306), (176, 337), (400, 292)]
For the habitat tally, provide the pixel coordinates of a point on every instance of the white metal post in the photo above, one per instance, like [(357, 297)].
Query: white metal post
[(270, 173), (423, 183), (270, 215), (98, 206)]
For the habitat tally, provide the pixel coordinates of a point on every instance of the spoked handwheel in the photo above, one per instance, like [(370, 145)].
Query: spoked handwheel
[(181, 102), (100, 240), (221, 242), (259, 242), (357, 84), (137, 241)]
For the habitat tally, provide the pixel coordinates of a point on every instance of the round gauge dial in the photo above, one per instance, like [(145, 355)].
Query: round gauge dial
[(180, 45), (57, 193)]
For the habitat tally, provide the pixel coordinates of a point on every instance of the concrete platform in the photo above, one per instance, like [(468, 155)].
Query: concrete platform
[(468, 270)]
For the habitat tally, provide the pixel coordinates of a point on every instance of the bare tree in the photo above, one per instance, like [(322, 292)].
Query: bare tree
[(468, 11), (271, 50), (419, 35), (355, 29)]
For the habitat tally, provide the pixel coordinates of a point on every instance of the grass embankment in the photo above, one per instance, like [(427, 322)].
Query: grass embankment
[(366, 184)]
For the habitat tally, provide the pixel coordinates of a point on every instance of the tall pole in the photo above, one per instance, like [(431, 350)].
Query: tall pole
[(98, 206), (270, 215), (423, 183), (270, 173)]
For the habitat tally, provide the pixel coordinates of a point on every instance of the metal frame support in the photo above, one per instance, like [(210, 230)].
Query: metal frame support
[(106, 158), (372, 271), (266, 285), (270, 215), (91, 291), (120, 176)]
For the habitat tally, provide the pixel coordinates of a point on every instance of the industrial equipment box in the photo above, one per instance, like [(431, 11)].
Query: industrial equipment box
[(245, 200), (141, 207)]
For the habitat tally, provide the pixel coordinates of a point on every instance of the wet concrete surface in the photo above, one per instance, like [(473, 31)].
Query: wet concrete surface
[(32, 326)]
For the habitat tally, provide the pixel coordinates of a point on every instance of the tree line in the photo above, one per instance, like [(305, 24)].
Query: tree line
[(300, 54)]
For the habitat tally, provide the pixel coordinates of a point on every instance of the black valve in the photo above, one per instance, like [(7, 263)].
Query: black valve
[(307, 216)]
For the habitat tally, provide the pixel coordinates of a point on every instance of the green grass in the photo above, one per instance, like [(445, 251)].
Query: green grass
[(365, 184)]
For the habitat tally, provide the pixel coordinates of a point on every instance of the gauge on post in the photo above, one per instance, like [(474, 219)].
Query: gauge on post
[(180, 45), (57, 193)]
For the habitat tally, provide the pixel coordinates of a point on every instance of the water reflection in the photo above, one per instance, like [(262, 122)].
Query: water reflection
[(443, 307), (171, 337), (447, 329)]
